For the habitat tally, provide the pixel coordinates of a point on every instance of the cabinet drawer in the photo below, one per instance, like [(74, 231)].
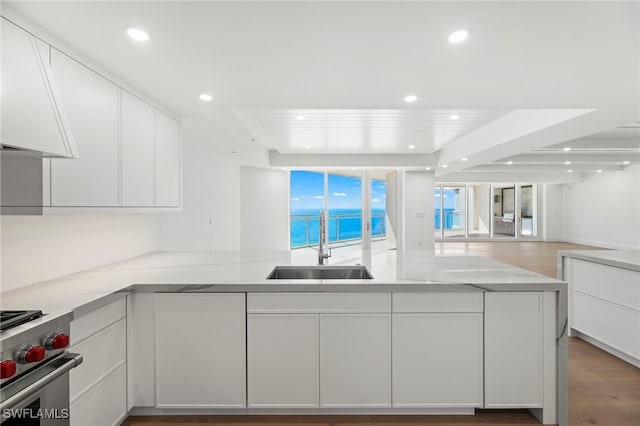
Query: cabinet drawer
[(437, 302), (614, 325), (614, 284), (102, 353), (104, 404), (319, 302), (89, 324)]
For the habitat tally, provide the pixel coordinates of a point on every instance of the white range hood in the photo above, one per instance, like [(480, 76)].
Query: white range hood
[(32, 117)]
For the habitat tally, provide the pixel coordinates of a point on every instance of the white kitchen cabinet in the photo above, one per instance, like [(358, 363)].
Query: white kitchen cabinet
[(31, 119), (168, 160), (319, 349), (604, 306), (138, 152), (200, 350), (92, 107), (105, 404), (355, 360), (282, 360), (98, 386), (438, 349), (513, 345), (437, 360)]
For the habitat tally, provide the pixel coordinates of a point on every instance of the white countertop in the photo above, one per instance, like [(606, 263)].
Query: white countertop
[(419, 271), (627, 259)]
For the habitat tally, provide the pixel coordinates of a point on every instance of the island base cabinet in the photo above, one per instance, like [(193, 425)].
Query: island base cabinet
[(355, 360), (513, 345), (200, 350), (437, 360), (282, 360)]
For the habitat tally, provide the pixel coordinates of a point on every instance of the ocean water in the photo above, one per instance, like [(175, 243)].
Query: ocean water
[(343, 224)]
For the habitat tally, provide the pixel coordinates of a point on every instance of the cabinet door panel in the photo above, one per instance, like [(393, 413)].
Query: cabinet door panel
[(167, 161), (513, 350), (91, 105), (437, 360), (200, 350), (103, 352), (138, 152), (355, 360), (105, 404), (283, 360)]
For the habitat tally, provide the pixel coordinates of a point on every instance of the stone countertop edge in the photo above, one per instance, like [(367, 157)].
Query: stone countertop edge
[(68, 293), (625, 259)]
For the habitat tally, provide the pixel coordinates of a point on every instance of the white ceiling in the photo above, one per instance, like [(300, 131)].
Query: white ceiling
[(532, 75)]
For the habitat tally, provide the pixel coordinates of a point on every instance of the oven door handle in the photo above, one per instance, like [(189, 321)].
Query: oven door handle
[(73, 360)]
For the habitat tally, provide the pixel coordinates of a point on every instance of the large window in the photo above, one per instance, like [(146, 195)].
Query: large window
[(340, 195), (473, 210)]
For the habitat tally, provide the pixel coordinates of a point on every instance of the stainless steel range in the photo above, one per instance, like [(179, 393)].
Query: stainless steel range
[(34, 368)]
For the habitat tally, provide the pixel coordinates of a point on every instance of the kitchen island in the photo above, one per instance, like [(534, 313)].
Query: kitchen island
[(604, 299), (207, 333)]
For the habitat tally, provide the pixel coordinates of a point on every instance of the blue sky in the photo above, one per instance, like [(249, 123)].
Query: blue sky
[(307, 190)]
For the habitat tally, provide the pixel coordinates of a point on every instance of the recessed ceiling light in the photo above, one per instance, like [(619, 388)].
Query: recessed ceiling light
[(626, 162), (509, 162), (353, 168), (427, 168), (205, 97), (459, 36), (410, 98), (412, 146), (570, 171), (463, 159), (599, 170), (454, 117), (566, 149), (307, 147), (299, 117), (567, 162), (284, 168), (444, 166), (137, 34)]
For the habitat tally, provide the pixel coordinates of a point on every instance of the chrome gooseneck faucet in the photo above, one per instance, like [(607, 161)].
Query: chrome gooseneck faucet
[(322, 252)]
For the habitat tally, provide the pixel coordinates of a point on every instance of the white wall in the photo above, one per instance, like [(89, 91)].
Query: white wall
[(418, 210), (210, 218), (39, 248), (552, 212), (264, 206), (604, 210)]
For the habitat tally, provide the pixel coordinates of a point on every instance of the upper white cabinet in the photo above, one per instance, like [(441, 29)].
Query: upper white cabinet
[(130, 152), (168, 160), (92, 106), (31, 117), (138, 151)]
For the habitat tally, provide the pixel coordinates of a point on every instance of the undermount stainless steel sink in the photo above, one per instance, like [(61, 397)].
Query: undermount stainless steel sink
[(321, 272)]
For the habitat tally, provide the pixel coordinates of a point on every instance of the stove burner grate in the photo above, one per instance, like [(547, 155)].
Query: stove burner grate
[(10, 319)]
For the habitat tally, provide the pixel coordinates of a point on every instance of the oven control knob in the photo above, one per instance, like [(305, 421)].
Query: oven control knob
[(32, 354), (57, 341), (7, 368)]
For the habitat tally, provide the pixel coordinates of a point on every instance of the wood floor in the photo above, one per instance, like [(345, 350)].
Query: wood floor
[(603, 390)]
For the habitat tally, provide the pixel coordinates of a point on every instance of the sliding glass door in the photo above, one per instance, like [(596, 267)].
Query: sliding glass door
[(484, 210)]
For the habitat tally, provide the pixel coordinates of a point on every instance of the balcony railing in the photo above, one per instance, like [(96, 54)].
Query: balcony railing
[(341, 227)]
